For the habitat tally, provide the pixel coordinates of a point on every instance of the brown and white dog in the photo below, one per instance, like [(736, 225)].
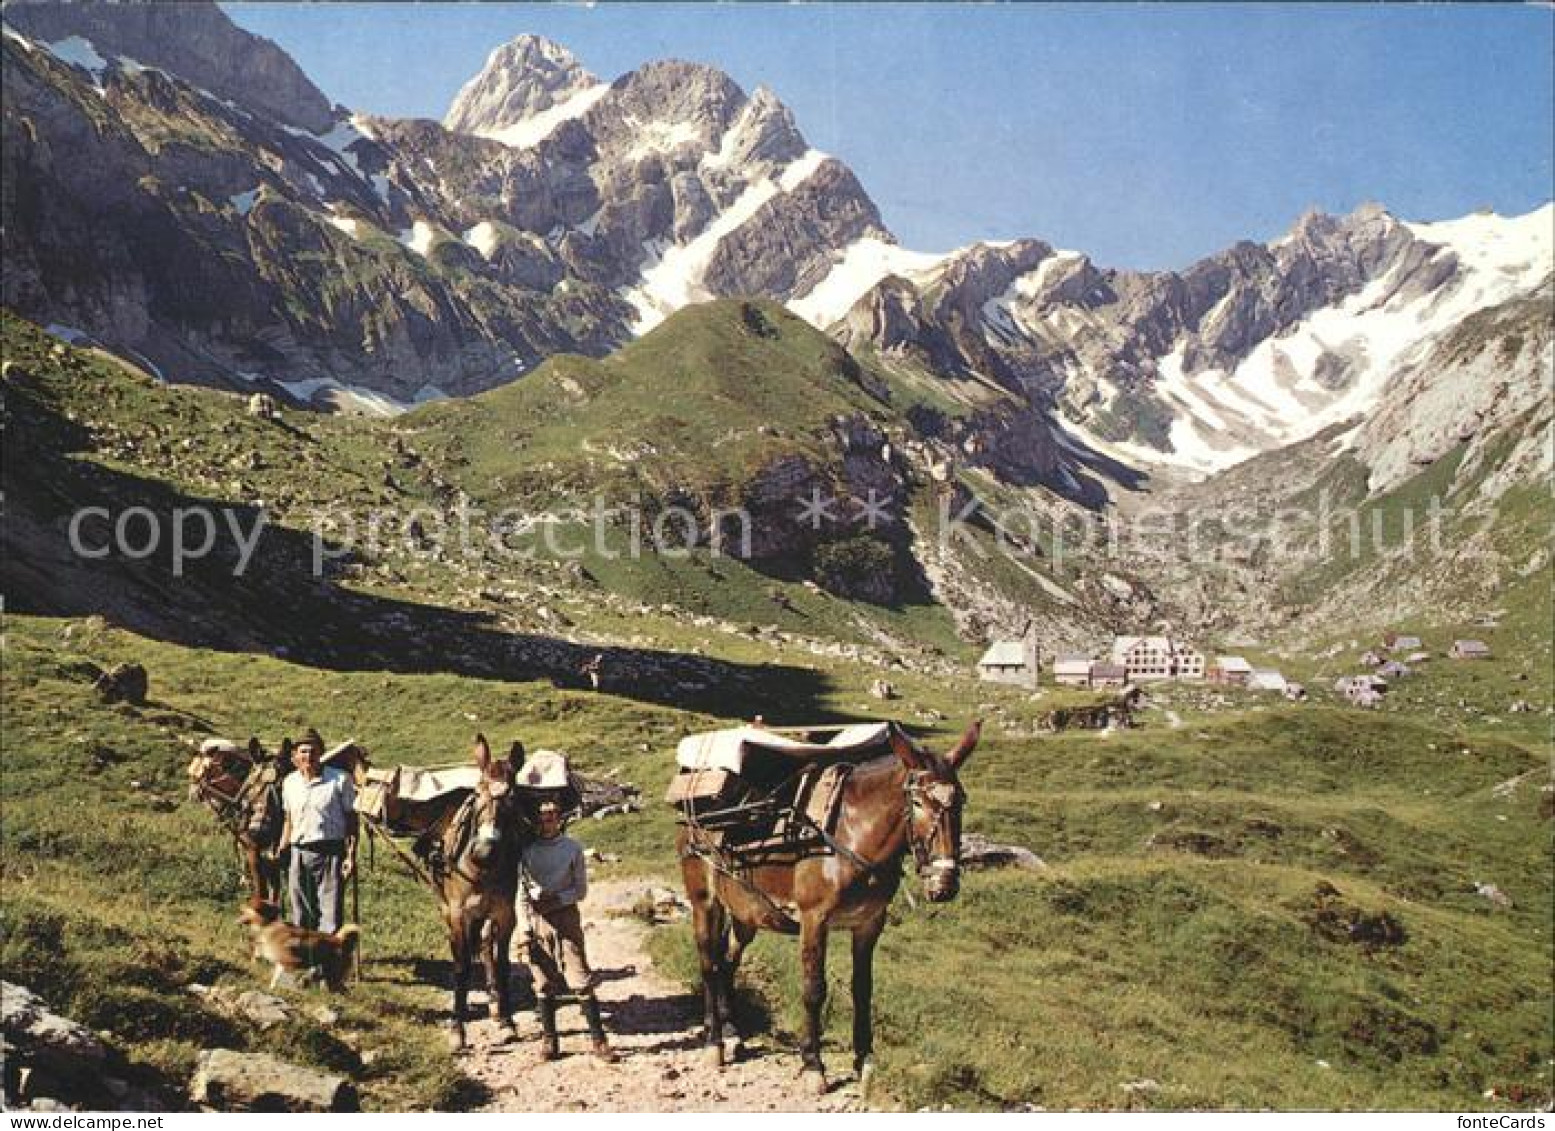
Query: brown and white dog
[(296, 950)]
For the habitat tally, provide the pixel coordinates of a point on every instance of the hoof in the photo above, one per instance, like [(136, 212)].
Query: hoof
[(713, 1056), (813, 1081), (733, 1046), (866, 1077)]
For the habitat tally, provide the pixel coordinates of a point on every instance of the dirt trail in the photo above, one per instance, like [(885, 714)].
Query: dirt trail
[(655, 1025)]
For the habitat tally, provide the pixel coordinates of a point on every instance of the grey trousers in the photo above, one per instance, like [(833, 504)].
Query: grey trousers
[(316, 888)]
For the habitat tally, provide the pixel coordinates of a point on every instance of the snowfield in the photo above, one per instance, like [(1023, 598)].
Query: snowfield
[(533, 130), (862, 265), (672, 275)]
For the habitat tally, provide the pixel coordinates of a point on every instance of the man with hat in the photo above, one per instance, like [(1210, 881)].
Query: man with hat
[(321, 831), (554, 880)]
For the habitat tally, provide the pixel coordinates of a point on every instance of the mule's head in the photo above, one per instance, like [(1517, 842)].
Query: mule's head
[(496, 802), (934, 802), (216, 774)]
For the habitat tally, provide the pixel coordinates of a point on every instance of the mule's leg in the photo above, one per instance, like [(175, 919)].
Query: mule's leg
[(707, 923), (499, 968), (741, 935), (812, 952), (253, 864), (865, 937), (459, 945), (268, 875)]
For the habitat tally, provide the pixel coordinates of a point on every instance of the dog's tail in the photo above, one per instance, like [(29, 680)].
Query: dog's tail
[(350, 937)]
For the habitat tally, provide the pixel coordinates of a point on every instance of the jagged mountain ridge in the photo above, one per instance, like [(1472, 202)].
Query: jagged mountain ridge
[(555, 212), (195, 41), (1247, 351)]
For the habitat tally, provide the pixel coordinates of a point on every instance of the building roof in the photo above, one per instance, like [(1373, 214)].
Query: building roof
[(1122, 644), (1108, 671), (1233, 664), (1406, 642), (1470, 646), (1268, 679), (1071, 658), (1004, 654)]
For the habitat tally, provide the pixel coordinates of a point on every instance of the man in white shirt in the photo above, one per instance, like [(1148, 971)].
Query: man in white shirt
[(321, 831)]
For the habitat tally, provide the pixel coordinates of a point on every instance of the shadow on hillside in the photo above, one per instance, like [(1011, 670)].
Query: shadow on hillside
[(279, 606)]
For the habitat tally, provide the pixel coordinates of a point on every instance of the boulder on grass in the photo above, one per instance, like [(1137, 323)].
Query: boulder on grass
[(124, 683), (236, 1081)]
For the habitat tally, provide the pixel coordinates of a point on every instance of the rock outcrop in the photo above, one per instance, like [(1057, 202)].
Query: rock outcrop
[(52, 1063), (232, 1081), (193, 39)]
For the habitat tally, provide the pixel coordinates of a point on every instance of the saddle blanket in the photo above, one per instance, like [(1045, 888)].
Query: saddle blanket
[(387, 795), (738, 747)]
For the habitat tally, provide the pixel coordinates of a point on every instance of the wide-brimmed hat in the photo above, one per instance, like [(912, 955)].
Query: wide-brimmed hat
[(311, 738)]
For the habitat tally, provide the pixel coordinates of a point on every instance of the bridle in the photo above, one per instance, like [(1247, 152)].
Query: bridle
[(922, 789), (466, 827), (925, 790), (228, 806)]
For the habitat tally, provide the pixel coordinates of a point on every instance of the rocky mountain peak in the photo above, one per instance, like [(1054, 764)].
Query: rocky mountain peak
[(672, 90), (194, 40), (522, 78)]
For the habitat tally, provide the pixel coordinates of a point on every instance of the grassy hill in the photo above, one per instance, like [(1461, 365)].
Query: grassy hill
[(697, 407)]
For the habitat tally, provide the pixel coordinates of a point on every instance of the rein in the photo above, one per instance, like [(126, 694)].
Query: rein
[(912, 791)]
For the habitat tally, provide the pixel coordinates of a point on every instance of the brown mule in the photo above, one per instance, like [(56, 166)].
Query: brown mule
[(907, 802), (475, 878), (243, 788)]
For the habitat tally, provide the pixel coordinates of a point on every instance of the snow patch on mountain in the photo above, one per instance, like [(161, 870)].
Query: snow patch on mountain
[(1001, 314), (419, 237), (17, 37), (347, 224), (658, 137), (855, 270), (1504, 256), (527, 86), (801, 169), (483, 238), (532, 131), (672, 276), (1284, 391), (79, 52)]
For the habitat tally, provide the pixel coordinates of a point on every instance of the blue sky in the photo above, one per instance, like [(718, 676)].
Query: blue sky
[(1146, 136)]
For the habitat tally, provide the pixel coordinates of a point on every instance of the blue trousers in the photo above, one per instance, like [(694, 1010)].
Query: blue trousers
[(316, 888)]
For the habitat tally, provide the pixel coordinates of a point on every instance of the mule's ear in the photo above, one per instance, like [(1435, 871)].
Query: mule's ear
[(285, 753), (909, 753), (516, 755), (482, 752), (255, 750), (957, 757)]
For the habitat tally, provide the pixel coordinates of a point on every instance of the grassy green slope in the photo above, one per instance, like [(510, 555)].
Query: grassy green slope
[(1181, 933), (1273, 910), (699, 405)]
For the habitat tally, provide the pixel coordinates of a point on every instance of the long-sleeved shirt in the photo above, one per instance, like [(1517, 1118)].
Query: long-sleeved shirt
[(555, 873), (320, 809)]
